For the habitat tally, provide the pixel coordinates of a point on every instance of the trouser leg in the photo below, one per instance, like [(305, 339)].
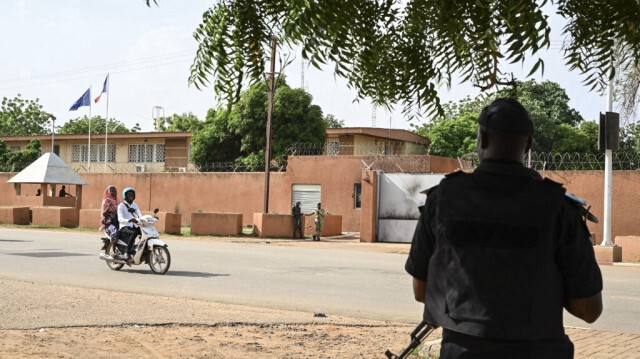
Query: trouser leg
[(132, 233)]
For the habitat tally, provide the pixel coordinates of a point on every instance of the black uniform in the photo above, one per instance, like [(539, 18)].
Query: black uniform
[(296, 215), (500, 250)]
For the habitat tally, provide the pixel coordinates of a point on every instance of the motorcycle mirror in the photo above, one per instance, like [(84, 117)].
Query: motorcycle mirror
[(156, 210)]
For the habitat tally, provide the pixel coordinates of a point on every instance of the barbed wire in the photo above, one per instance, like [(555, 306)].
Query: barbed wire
[(379, 162), (331, 148), (545, 161)]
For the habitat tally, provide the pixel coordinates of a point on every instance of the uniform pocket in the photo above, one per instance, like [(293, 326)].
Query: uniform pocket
[(491, 271)]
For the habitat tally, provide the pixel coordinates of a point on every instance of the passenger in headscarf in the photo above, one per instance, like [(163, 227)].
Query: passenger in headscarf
[(110, 210)]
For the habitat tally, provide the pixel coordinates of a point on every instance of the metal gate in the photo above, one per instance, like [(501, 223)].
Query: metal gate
[(398, 200), (308, 195)]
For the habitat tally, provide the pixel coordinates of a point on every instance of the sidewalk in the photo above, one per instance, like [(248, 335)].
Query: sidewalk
[(588, 343), (595, 344)]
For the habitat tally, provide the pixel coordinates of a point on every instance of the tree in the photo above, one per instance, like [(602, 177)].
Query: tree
[(238, 135), (187, 122), (576, 139), (401, 54), (557, 126), (454, 138), (215, 142), (23, 117), (333, 122), (81, 125), (548, 107), (14, 161)]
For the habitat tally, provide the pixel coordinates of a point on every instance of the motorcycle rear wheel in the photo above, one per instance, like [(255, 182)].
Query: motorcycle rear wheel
[(159, 260), (113, 251)]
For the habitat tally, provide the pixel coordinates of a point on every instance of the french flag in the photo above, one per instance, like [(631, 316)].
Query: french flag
[(104, 89)]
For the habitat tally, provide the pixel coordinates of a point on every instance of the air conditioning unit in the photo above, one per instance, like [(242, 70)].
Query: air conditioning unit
[(182, 169), (141, 168)]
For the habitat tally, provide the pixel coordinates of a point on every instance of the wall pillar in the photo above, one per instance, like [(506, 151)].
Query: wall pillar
[(369, 206), (78, 196)]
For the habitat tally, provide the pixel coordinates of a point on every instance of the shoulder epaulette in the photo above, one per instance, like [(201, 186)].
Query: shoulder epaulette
[(582, 205), (552, 182), (454, 174), (429, 190)]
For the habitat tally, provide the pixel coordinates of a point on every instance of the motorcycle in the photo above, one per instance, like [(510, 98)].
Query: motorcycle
[(150, 249)]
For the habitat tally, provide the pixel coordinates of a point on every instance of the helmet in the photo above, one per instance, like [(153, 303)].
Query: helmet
[(128, 189)]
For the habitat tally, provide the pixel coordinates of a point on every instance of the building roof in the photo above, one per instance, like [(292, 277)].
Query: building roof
[(49, 168), (394, 133), (100, 136)]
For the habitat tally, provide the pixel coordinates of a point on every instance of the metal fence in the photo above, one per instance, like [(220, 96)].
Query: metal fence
[(335, 148), (567, 161)]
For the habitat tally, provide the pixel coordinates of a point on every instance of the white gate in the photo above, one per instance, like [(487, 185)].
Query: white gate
[(308, 195), (398, 200)]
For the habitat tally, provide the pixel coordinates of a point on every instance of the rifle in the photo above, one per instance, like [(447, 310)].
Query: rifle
[(417, 336)]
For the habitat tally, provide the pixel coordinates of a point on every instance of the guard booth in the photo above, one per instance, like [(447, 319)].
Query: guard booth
[(50, 173)]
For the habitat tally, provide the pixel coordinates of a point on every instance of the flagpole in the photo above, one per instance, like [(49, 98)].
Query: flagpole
[(106, 130), (89, 148)]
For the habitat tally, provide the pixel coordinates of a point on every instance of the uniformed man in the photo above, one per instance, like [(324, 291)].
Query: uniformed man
[(498, 253), (296, 215), (319, 221)]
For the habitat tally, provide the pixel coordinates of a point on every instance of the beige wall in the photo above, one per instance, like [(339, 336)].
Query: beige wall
[(175, 152), (589, 185), (625, 214), (243, 192), (185, 193)]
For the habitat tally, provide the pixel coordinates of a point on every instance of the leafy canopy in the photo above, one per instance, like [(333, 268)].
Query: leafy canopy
[(186, 122), (19, 116), (401, 52), (559, 128), (81, 125), (238, 135), (15, 161)]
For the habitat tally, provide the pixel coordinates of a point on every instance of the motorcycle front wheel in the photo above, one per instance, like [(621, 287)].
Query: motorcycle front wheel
[(113, 251), (159, 260)]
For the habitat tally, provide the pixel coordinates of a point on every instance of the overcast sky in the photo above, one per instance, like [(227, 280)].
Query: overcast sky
[(55, 50)]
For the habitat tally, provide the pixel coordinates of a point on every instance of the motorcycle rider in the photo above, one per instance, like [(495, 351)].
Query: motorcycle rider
[(128, 211)]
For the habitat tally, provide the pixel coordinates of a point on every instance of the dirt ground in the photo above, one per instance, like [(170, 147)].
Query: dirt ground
[(52, 321), (203, 341)]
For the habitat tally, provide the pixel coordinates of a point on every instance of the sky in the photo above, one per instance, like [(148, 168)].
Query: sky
[(55, 50)]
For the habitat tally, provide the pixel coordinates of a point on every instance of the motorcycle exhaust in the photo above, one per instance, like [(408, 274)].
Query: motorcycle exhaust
[(109, 258)]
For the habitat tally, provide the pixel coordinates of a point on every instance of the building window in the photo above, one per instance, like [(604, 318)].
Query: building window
[(160, 153), (14, 148), (357, 195), (333, 148), (139, 153), (189, 153), (79, 153)]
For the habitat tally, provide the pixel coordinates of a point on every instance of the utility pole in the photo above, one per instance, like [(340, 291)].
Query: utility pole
[(267, 152)]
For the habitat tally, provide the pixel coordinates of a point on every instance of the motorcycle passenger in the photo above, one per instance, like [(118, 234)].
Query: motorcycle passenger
[(128, 211), (110, 211)]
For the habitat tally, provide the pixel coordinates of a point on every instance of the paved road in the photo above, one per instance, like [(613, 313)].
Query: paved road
[(333, 281)]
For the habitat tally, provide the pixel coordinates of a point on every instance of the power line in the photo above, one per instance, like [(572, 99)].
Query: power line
[(144, 60)]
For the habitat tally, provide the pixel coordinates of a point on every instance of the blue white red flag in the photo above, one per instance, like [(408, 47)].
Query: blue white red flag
[(85, 100), (104, 89)]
